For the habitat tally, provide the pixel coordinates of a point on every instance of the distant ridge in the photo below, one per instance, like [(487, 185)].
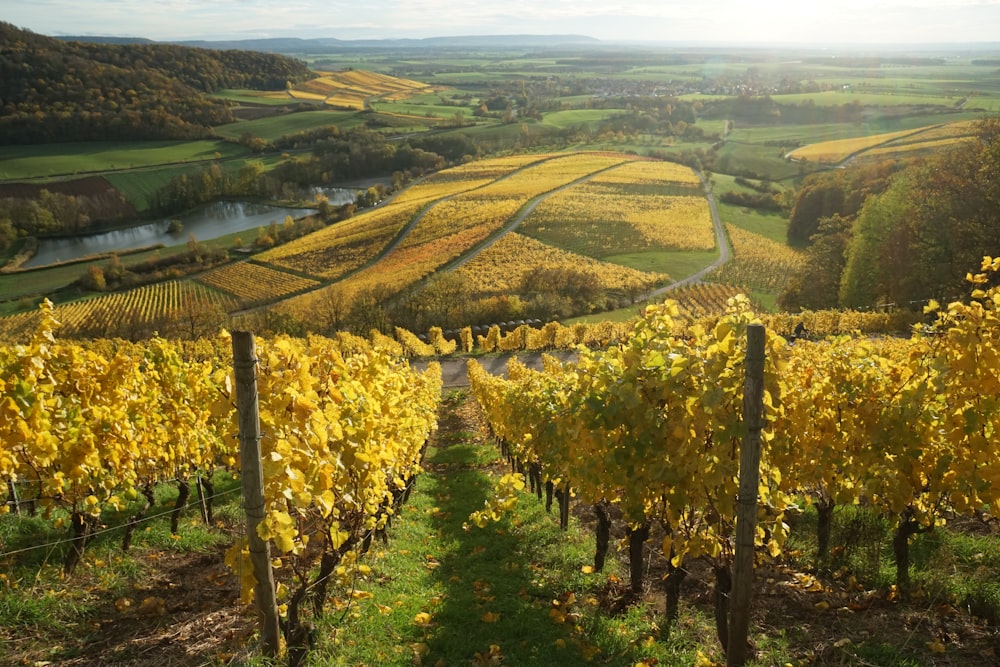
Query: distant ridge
[(327, 44), (104, 40)]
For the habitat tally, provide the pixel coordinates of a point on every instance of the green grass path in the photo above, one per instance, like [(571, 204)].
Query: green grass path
[(444, 592)]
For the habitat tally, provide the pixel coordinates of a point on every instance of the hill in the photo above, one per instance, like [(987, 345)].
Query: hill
[(331, 44), (57, 91)]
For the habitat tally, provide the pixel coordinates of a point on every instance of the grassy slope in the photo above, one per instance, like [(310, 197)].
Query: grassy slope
[(274, 127), (445, 591), (24, 162)]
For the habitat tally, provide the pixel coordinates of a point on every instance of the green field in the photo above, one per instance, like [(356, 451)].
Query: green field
[(883, 99), (429, 110), (675, 263), (49, 160), (769, 161), (275, 127), (572, 118), (813, 133), (772, 225), (990, 103), (139, 186)]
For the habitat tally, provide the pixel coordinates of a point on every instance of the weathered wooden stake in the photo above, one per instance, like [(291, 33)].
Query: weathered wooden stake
[(252, 478), (746, 510)]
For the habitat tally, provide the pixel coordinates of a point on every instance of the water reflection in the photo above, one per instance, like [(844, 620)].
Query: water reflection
[(338, 196), (208, 222)]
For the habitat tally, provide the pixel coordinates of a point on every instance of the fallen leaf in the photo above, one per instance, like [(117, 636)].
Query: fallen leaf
[(153, 606)]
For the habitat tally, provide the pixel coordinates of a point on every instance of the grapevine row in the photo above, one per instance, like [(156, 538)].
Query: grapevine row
[(87, 427), (653, 425)]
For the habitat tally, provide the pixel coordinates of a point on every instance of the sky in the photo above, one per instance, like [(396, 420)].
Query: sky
[(771, 22)]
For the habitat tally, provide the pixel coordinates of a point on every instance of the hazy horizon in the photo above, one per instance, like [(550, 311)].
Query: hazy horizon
[(773, 22)]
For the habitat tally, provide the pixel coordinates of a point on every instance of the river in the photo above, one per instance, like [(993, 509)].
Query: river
[(205, 223)]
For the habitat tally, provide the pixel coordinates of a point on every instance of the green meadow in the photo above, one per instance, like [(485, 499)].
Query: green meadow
[(574, 117), (272, 128), (49, 160)]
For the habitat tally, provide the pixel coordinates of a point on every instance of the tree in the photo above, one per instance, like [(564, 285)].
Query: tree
[(817, 286), (95, 279), (917, 240), (332, 309), (866, 273), (368, 311)]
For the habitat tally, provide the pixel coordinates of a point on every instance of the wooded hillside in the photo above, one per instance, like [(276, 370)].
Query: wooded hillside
[(56, 91)]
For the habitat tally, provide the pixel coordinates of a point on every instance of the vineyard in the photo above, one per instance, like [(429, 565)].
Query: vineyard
[(758, 262), (501, 267), (252, 283), (650, 431), (644, 427), (882, 146), (351, 89), (569, 209), (92, 430), (626, 210), (502, 399), (464, 213), (174, 305)]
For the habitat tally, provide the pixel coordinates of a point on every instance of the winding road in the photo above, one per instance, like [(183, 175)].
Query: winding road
[(453, 369), (720, 240)]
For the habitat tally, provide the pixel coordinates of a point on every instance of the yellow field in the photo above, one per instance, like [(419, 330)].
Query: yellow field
[(960, 129), (335, 250), (435, 188), (758, 261), (597, 222), (490, 169), (832, 152), (623, 210), (394, 272), (926, 139), (449, 213), (252, 283), (465, 212), (649, 172), (452, 227), (167, 307), (906, 149), (501, 267), (705, 299), (303, 95), (351, 89), (488, 208)]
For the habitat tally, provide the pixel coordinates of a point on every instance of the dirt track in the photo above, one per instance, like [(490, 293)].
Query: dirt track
[(453, 368)]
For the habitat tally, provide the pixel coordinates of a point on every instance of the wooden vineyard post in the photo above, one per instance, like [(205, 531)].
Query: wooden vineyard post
[(746, 509), (252, 477)]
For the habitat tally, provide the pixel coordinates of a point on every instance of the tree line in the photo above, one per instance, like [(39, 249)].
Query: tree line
[(57, 91), (897, 233)]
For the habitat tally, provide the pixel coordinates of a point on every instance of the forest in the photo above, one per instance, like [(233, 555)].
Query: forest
[(57, 91), (893, 234)]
